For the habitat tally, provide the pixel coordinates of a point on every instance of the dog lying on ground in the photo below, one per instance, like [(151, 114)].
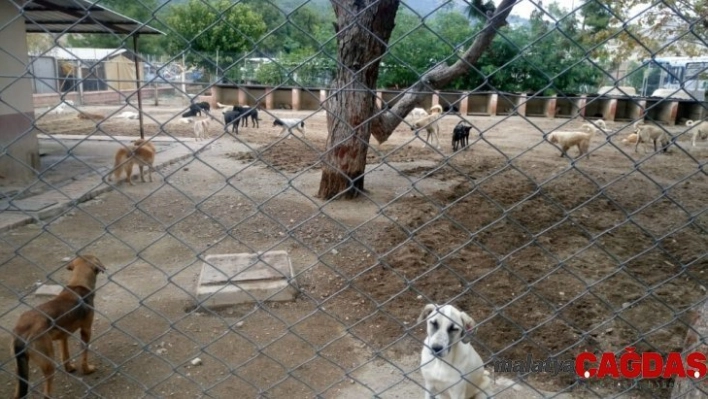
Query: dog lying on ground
[(646, 133), (290, 124), (128, 115), (90, 116), (141, 153), (461, 136), (205, 106), (700, 129), (201, 128), (450, 366), (56, 320), (430, 124), (194, 110)]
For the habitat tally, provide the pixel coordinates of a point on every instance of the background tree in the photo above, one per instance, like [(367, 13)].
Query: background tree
[(291, 27), (476, 10), (205, 27), (596, 16), (38, 43), (141, 11), (363, 29), (412, 51)]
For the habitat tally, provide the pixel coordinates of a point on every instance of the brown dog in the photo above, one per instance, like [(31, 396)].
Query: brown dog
[(142, 153), (37, 329)]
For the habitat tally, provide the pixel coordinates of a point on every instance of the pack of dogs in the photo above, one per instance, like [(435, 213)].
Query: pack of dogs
[(428, 121), (449, 364)]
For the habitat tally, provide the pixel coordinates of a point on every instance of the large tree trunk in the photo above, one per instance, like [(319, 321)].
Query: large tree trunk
[(363, 29)]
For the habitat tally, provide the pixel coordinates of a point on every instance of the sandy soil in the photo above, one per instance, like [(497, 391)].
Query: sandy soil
[(550, 257)]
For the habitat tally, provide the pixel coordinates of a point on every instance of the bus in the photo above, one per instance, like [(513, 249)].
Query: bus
[(666, 76)]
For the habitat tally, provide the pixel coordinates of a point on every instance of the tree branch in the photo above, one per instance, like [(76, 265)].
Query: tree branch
[(441, 75)]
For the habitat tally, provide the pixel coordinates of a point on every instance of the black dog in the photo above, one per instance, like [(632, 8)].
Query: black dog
[(204, 106), (461, 136), (194, 110), (248, 111), (451, 109), (232, 117)]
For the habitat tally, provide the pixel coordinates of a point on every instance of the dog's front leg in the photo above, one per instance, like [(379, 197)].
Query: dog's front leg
[(64, 343), (85, 339), (429, 391)]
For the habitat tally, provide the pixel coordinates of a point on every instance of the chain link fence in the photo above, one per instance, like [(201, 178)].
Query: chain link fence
[(293, 256)]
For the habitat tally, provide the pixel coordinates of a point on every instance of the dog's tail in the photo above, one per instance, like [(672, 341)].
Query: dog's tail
[(122, 156), (19, 349)]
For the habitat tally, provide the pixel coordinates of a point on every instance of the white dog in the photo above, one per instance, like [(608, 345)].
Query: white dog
[(201, 128), (450, 366), (699, 131), (418, 113)]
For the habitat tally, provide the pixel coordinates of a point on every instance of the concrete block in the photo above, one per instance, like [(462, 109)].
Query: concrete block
[(27, 205), (48, 290), (231, 279)]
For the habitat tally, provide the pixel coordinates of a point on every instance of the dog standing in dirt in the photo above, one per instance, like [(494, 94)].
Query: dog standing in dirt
[(201, 128), (461, 135), (142, 153), (450, 366), (56, 320)]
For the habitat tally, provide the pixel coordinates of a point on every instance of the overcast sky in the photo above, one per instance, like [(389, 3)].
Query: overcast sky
[(525, 7)]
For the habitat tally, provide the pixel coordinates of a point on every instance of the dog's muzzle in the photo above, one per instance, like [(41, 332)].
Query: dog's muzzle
[(437, 350)]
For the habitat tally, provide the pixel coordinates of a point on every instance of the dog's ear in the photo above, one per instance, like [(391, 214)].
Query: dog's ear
[(94, 262), (427, 310), (467, 327)]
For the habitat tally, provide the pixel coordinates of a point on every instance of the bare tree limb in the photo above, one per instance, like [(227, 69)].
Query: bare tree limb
[(384, 124)]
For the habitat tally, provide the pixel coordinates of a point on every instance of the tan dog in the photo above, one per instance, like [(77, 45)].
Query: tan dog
[(631, 139), (142, 153), (55, 320)]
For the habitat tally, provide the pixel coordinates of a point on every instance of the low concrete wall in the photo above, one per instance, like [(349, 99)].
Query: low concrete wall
[(100, 97), (610, 108)]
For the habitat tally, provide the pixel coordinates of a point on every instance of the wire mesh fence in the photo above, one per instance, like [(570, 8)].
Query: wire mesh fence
[(314, 174)]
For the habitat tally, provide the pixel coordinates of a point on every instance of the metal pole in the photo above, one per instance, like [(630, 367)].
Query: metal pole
[(184, 85), (80, 80), (137, 84)]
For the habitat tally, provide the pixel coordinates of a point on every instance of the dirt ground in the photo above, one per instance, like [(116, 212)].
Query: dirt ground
[(550, 257)]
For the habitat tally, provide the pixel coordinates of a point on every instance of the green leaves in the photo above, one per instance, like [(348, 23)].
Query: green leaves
[(217, 24)]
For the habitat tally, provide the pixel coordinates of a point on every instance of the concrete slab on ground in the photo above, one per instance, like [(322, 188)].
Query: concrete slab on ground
[(48, 290), (26, 205), (230, 279)]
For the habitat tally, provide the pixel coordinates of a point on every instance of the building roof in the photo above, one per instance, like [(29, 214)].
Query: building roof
[(84, 54), (77, 16)]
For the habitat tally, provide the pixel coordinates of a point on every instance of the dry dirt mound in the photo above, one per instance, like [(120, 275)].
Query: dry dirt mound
[(546, 271)]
